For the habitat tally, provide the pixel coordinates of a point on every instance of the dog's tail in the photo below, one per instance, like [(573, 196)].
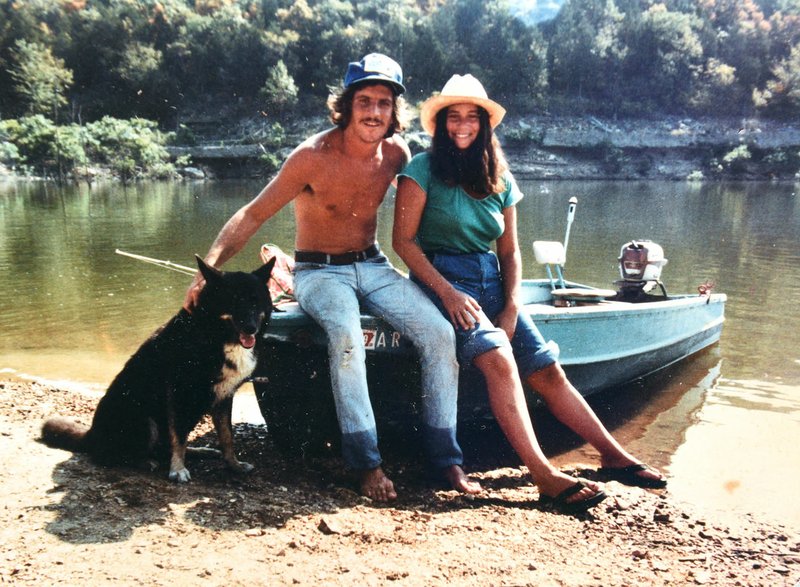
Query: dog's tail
[(65, 434)]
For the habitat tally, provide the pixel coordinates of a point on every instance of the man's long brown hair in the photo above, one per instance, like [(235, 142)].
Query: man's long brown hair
[(479, 169), (340, 105)]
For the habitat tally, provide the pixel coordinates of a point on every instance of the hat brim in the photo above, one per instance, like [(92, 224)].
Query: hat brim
[(378, 78), (431, 107)]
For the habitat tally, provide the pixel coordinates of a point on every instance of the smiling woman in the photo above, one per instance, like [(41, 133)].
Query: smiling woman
[(455, 204), (463, 124)]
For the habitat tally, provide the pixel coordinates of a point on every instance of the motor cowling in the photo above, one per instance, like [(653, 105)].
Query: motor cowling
[(641, 261)]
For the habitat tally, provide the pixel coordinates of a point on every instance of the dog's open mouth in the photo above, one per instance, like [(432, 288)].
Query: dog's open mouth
[(248, 341)]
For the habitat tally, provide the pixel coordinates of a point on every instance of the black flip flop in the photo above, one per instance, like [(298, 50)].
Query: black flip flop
[(560, 504), (630, 476)]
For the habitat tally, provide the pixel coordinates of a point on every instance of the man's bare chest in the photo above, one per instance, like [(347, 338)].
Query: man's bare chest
[(349, 190)]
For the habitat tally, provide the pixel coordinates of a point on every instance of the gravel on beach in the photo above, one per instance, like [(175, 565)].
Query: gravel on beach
[(67, 521)]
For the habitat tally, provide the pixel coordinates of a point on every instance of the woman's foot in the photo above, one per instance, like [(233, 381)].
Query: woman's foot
[(459, 481), (568, 500), (564, 492), (636, 474)]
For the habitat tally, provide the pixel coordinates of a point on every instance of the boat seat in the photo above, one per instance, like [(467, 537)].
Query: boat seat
[(582, 295), (551, 254)]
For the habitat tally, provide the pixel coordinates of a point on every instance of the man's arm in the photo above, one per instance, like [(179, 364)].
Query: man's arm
[(403, 155), (282, 189)]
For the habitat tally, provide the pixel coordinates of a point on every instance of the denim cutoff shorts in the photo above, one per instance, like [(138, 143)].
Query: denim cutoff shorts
[(478, 275)]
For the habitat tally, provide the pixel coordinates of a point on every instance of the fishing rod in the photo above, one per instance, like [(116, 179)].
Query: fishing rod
[(158, 262)]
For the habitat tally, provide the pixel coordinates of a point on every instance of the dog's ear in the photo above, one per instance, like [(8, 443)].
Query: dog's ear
[(265, 270), (209, 272)]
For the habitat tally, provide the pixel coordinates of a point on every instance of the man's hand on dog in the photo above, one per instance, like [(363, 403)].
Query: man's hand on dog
[(193, 293)]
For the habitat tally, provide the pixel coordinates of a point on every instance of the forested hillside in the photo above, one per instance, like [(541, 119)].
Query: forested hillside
[(73, 72), (83, 59)]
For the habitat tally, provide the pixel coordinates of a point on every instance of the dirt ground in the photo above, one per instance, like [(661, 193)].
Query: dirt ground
[(65, 521)]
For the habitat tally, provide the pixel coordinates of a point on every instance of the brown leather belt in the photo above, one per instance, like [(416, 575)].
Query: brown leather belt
[(340, 259)]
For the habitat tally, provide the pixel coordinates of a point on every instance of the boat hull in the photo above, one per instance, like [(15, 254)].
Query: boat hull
[(602, 345)]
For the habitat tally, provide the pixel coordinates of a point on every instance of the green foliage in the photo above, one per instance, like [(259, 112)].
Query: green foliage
[(279, 92), (42, 145), (588, 48), (131, 148), (41, 79), (783, 162), (783, 91), (9, 154), (32, 136), (667, 56), (736, 159), (158, 59), (68, 149), (522, 134), (270, 162)]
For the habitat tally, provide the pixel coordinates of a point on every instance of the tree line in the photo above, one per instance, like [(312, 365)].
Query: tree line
[(78, 61), (83, 59)]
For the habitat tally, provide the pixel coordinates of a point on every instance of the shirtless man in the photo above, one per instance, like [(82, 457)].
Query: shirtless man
[(337, 179)]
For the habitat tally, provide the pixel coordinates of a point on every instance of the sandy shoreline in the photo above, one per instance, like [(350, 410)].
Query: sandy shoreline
[(67, 521)]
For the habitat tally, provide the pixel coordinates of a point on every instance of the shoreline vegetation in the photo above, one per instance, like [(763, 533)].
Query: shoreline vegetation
[(301, 522), (605, 89), (538, 147)]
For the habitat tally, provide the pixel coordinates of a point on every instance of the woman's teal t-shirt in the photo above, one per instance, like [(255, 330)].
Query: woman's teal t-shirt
[(452, 219)]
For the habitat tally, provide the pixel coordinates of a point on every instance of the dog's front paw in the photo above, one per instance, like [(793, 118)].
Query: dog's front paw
[(180, 476), (240, 466)]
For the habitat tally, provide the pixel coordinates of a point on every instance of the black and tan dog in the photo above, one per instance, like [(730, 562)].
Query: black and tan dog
[(189, 367)]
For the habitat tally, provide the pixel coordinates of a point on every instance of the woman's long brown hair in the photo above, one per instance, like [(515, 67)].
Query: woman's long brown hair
[(478, 169)]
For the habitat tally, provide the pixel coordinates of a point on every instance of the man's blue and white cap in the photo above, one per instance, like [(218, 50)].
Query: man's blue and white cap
[(375, 67)]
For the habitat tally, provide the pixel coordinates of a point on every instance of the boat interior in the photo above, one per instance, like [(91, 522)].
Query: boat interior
[(640, 271)]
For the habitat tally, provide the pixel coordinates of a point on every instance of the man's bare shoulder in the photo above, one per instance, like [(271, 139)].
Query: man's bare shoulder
[(308, 157), (319, 145), (397, 149)]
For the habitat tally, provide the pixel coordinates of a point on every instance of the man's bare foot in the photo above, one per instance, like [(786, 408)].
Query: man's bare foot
[(376, 485), (459, 481)]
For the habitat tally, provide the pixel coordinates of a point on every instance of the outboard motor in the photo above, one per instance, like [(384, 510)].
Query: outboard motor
[(640, 263)]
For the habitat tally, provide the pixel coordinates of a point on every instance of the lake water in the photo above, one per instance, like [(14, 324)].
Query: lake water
[(724, 425)]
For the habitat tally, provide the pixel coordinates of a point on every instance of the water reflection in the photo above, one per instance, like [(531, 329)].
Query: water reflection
[(740, 455), (724, 426), (650, 417)]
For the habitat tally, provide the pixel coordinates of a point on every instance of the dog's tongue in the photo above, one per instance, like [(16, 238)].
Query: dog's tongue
[(248, 341)]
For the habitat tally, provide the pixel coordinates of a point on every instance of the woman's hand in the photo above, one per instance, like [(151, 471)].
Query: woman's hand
[(463, 310), (507, 321)]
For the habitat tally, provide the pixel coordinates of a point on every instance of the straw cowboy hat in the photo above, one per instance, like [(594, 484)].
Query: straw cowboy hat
[(459, 89)]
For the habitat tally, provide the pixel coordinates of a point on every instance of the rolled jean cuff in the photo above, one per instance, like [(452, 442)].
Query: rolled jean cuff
[(442, 447), (533, 362), (360, 449)]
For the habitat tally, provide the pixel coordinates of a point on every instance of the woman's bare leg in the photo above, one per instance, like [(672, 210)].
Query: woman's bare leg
[(569, 406), (507, 400)]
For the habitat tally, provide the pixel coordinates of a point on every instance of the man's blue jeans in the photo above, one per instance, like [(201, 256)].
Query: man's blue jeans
[(333, 295)]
